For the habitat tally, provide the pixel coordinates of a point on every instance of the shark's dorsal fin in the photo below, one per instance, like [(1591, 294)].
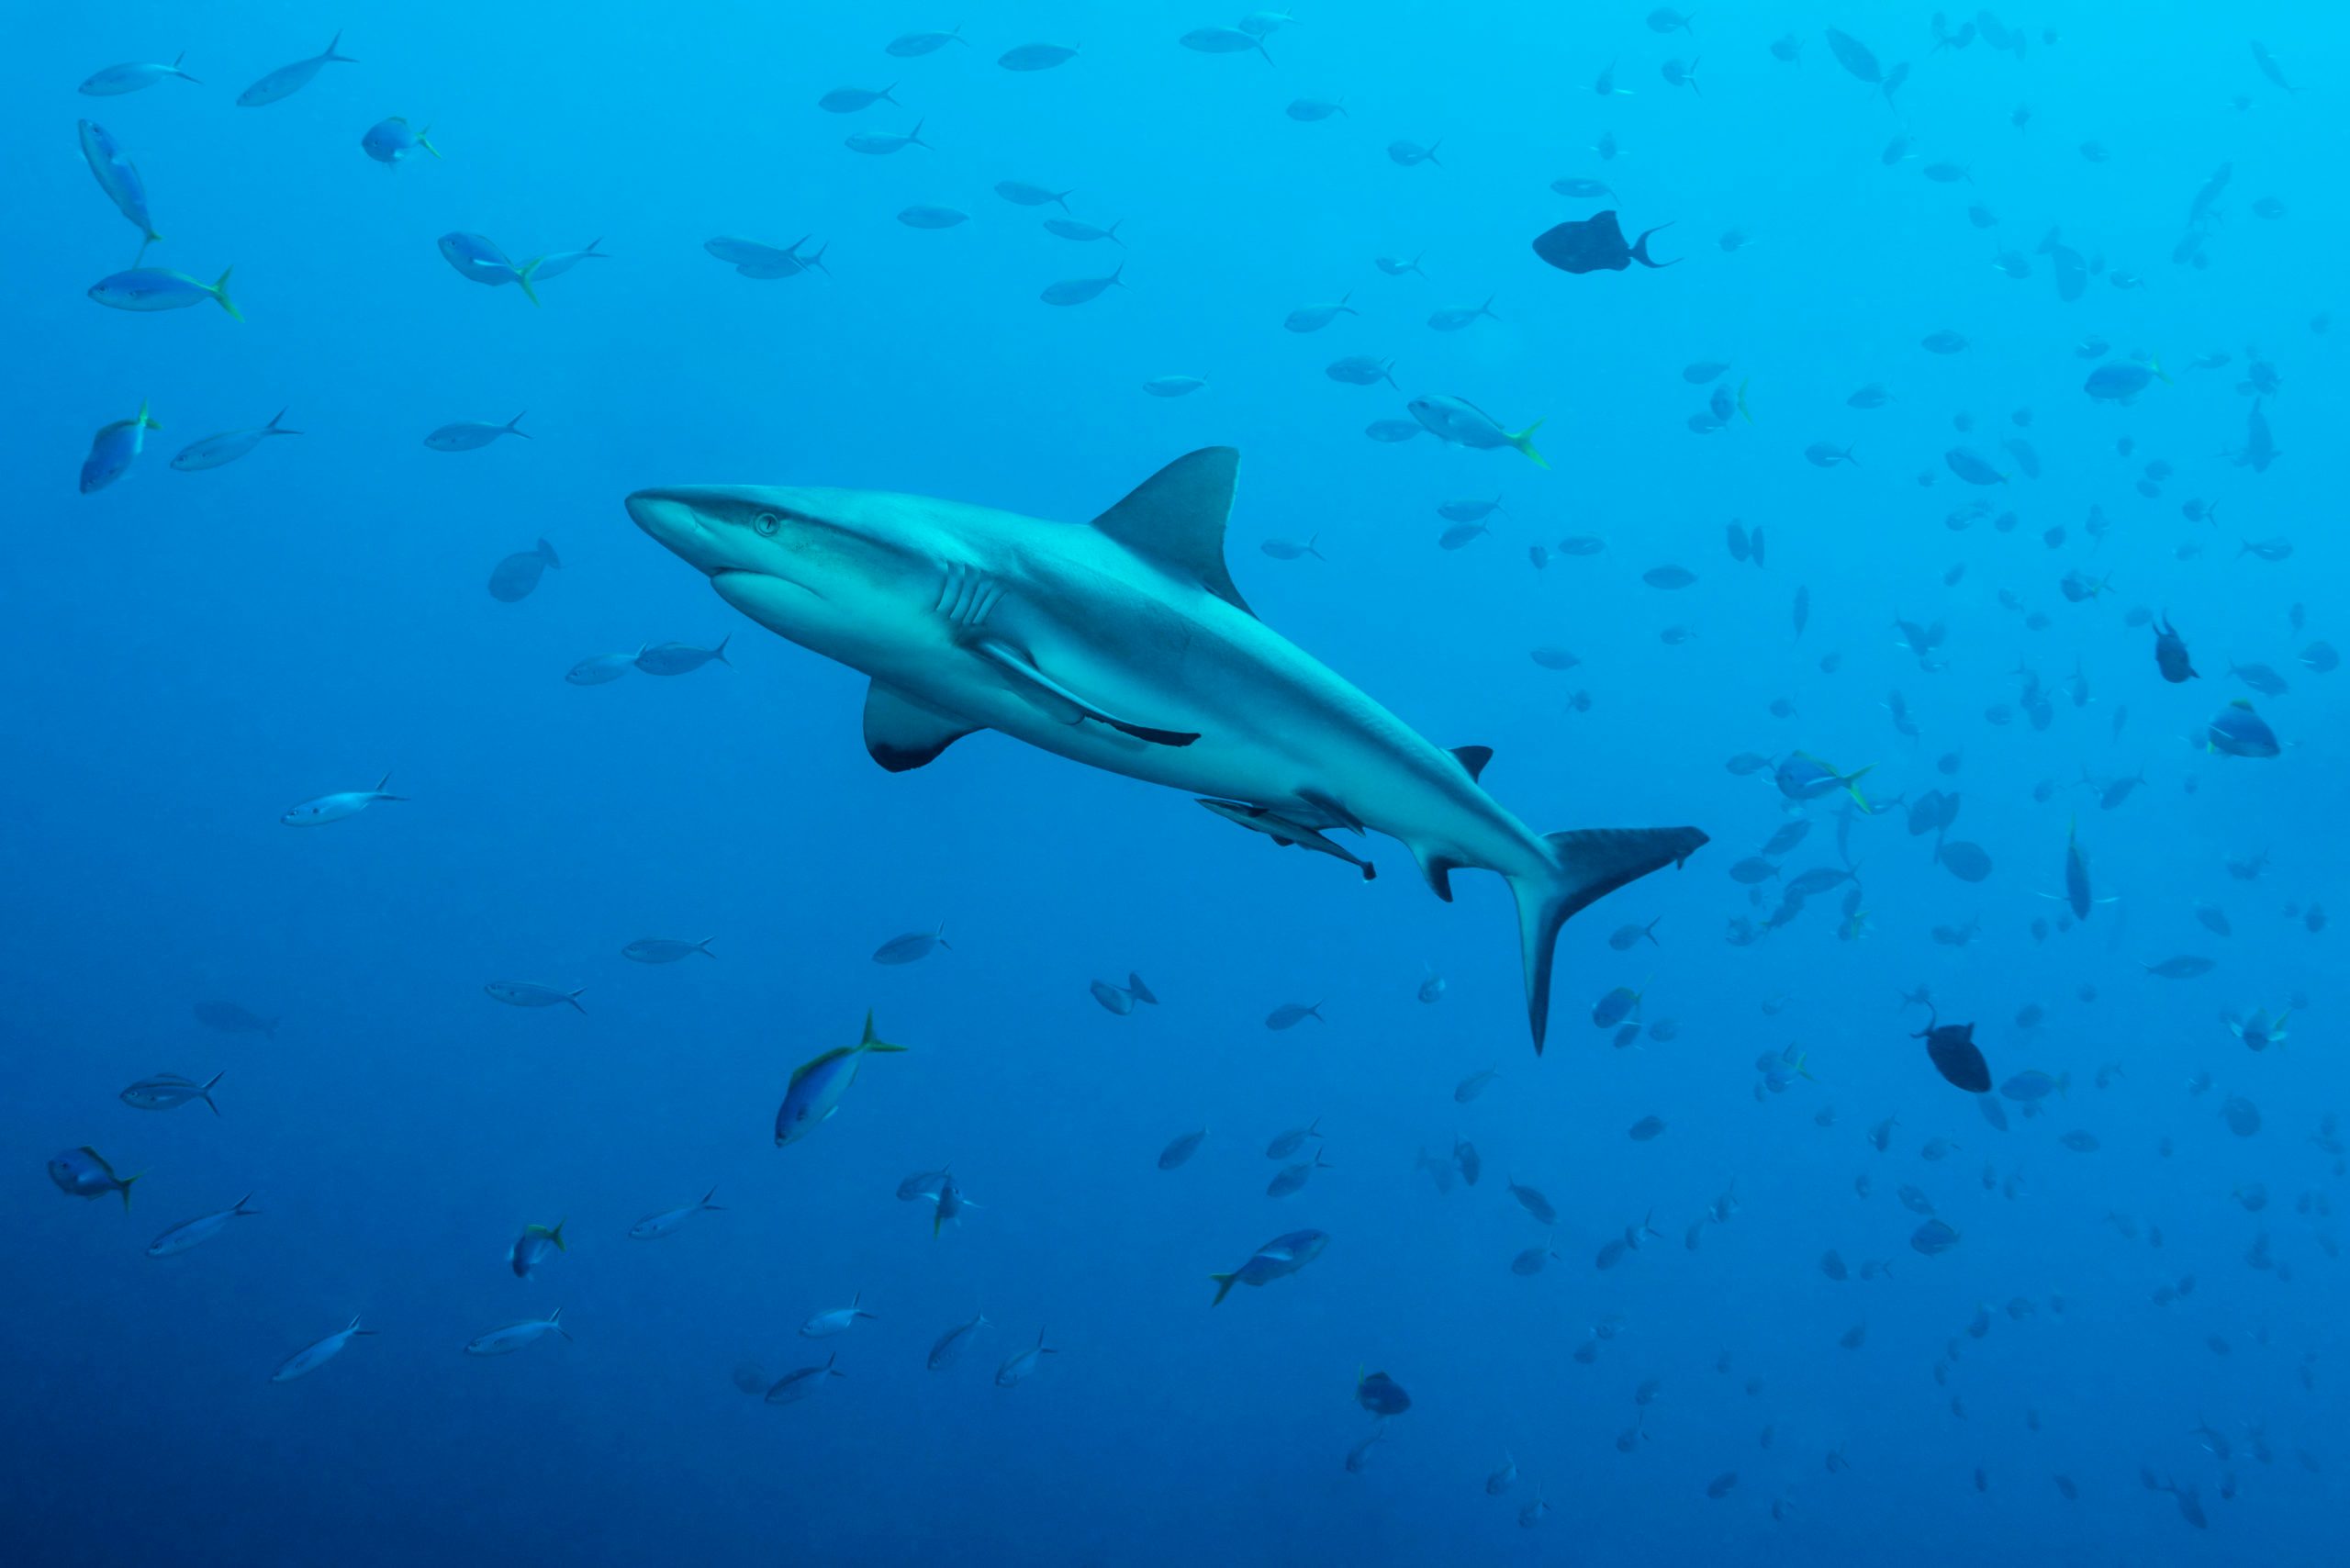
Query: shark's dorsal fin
[(902, 731), (1177, 516), (1472, 759)]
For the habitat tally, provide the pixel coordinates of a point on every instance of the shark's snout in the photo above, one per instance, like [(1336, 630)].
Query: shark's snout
[(675, 519)]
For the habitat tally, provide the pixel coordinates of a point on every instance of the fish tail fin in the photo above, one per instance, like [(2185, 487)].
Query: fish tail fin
[(706, 1204), (522, 276), (124, 1188), (206, 1091), (554, 1320), (546, 552), (514, 425), (241, 1204), (220, 295), (572, 998), (555, 1234), (1852, 783), (354, 1327), (703, 946), (1640, 249), (873, 1041), (277, 429), (2155, 363), (1584, 866), (1524, 442), (425, 140), (1140, 991), (1741, 400), (336, 45), (1223, 1288)]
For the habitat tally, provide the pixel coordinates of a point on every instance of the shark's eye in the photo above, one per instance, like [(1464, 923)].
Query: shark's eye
[(766, 522)]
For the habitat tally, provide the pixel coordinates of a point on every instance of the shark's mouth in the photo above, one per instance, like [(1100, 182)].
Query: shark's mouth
[(736, 583), (777, 603)]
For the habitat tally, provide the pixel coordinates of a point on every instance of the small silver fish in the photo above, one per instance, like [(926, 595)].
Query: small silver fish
[(523, 993), (1018, 1366), (516, 1336), (310, 1358), (169, 1092)]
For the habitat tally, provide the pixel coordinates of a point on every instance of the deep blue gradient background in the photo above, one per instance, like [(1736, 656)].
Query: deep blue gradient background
[(196, 652)]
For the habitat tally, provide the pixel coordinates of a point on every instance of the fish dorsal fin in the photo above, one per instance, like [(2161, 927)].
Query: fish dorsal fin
[(1472, 759), (1177, 516), (805, 1067)]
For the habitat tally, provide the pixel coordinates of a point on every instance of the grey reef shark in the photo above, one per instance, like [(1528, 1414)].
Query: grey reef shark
[(1124, 644)]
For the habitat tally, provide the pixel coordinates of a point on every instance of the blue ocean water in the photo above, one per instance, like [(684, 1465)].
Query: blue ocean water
[(2131, 1353)]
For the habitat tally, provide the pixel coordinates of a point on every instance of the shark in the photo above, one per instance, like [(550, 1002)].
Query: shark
[(1123, 644)]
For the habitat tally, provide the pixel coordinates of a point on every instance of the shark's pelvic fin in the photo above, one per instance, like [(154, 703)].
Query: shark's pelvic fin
[(1013, 661), (902, 731), (1176, 518), (1586, 867), (1438, 869)]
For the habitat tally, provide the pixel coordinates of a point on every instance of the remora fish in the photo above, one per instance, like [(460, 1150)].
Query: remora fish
[(1124, 644)]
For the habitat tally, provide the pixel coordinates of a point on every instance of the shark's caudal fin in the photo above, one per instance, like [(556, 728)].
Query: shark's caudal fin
[(1585, 867)]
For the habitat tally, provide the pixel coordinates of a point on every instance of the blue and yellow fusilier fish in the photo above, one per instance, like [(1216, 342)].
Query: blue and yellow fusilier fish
[(817, 1086)]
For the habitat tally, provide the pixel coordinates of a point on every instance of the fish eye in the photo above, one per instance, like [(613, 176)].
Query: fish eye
[(766, 522)]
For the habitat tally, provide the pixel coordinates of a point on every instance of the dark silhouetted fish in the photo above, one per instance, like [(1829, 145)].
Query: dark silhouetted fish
[(1956, 1056), (1594, 244)]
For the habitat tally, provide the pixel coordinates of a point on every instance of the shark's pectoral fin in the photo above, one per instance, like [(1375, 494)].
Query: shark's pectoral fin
[(1012, 661), (902, 731)]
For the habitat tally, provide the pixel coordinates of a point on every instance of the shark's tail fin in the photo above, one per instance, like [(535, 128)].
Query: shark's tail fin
[(1585, 866)]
